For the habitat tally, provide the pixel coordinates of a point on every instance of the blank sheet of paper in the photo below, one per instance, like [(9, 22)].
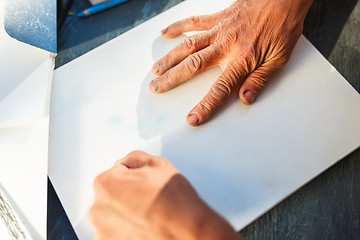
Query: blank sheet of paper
[(243, 162)]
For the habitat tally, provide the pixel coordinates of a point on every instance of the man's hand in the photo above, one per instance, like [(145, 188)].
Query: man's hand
[(144, 197), (249, 41)]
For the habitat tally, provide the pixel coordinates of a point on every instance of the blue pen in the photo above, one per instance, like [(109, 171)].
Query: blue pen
[(99, 7)]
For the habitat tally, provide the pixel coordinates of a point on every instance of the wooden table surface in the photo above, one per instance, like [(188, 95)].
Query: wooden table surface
[(326, 208)]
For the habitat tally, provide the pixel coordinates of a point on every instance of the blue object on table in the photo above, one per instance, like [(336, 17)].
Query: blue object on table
[(100, 7)]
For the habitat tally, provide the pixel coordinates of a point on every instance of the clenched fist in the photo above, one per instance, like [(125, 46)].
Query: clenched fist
[(145, 197)]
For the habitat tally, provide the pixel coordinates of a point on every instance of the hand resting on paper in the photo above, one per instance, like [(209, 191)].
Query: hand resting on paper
[(249, 41), (145, 197)]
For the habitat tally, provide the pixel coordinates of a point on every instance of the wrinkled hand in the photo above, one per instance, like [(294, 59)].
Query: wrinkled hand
[(248, 40), (144, 197)]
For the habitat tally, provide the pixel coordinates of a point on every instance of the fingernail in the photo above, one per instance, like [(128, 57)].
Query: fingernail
[(164, 31), (156, 68), (193, 119), (154, 84), (249, 96)]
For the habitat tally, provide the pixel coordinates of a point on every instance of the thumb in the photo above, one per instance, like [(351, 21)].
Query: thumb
[(254, 83)]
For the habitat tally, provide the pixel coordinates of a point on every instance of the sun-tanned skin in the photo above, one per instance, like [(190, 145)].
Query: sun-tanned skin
[(249, 41), (145, 197)]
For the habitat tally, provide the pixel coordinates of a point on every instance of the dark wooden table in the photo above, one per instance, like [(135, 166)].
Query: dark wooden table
[(326, 208)]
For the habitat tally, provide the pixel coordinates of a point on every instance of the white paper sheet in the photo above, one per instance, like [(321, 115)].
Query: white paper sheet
[(243, 162), (25, 81), (23, 173)]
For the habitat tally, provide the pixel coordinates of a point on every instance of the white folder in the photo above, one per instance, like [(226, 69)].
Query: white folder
[(25, 83)]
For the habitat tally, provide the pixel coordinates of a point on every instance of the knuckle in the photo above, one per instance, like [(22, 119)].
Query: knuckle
[(226, 41), (259, 80), (231, 37), (261, 75), (191, 43), (176, 24), (220, 90), (167, 80), (226, 22), (234, 74), (246, 62), (217, 96), (194, 63), (195, 20), (207, 106)]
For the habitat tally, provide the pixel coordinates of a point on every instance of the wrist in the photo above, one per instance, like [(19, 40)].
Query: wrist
[(180, 213), (214, 227)]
